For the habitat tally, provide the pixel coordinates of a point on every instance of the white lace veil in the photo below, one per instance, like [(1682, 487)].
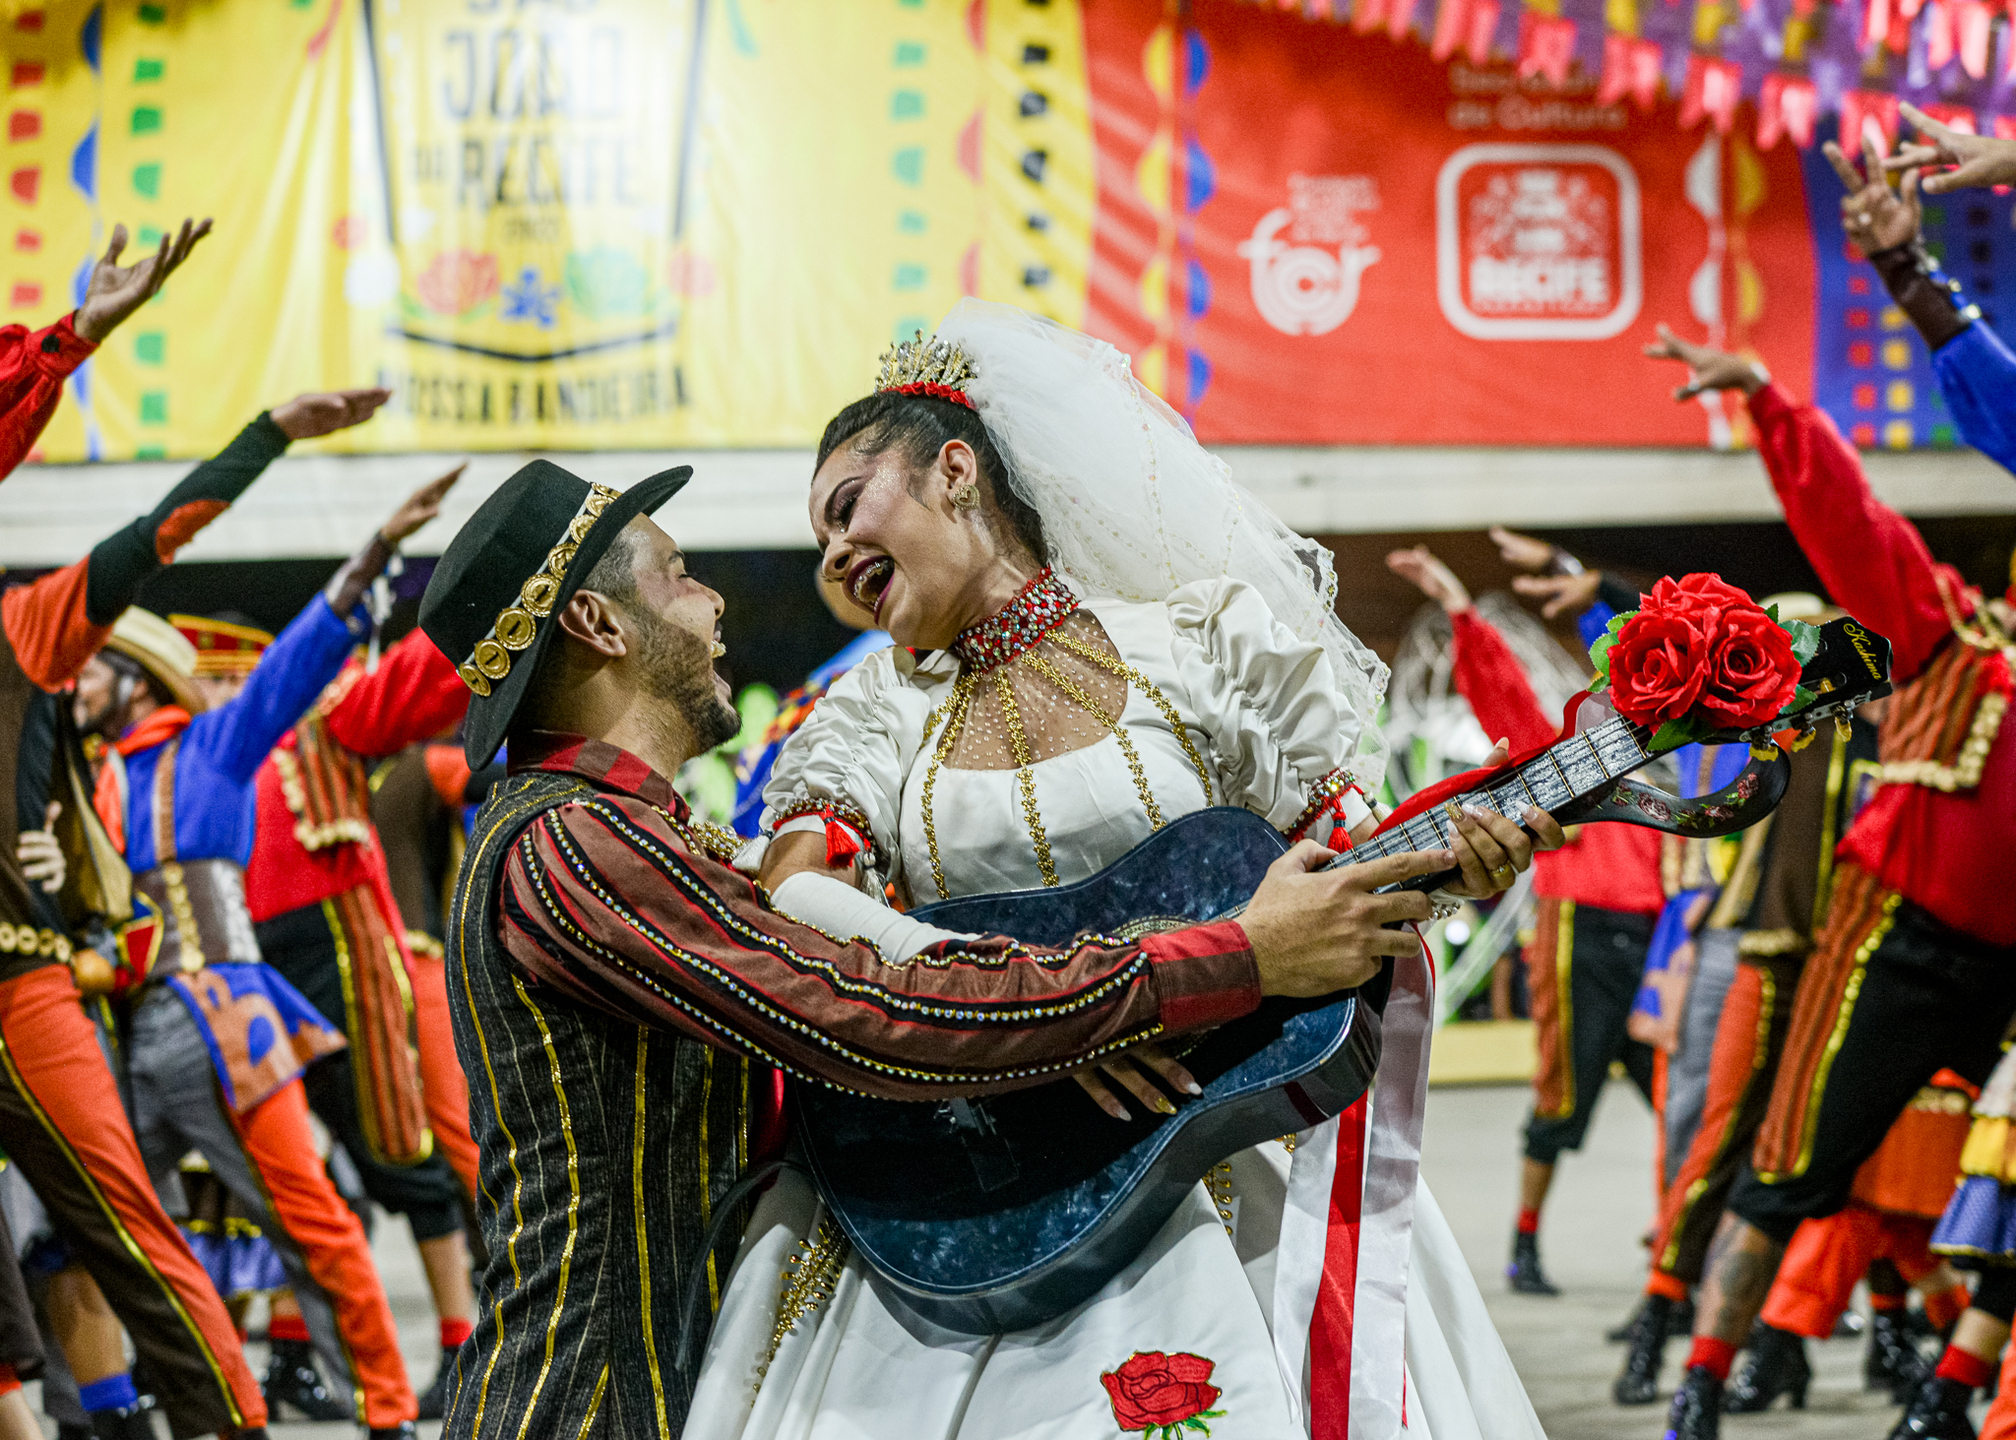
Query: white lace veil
[(1132, 505)]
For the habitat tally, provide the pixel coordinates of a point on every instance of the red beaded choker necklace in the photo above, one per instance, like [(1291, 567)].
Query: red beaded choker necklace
[(1019, 626)]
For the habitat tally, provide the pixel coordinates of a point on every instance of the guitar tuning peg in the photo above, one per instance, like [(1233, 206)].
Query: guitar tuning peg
[(1842, 728)]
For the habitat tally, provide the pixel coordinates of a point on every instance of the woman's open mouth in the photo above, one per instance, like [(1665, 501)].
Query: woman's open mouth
[(868, 581)]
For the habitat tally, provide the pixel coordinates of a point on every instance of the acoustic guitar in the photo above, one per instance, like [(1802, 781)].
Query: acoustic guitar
[(1000, 1213)]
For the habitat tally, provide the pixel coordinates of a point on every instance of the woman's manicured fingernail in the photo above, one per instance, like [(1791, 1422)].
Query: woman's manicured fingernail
[(1192, 1086), (1165, 1105), (1115, 1109), (1475, 812)]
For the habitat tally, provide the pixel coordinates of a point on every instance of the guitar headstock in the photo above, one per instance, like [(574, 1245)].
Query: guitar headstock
[(1851, 668)]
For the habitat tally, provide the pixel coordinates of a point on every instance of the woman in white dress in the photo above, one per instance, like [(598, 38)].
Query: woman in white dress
[(1150, 640)]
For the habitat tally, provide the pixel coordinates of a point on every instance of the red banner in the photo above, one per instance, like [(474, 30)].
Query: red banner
[(1307, 235)]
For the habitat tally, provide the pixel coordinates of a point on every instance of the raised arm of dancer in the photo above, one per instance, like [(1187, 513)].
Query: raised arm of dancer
[(61, 620), (310, 651), (1976, 371), (1864, 552), (34, 365), (1486, 672), (413, 695)]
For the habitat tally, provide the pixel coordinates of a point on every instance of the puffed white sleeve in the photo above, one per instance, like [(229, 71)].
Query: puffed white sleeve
[(1281, 729), (848, 760)]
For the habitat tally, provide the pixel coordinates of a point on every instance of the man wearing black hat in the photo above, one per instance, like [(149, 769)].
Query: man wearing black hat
[(620, 992)]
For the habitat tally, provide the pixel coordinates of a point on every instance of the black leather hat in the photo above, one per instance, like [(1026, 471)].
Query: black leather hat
[(492, 602)]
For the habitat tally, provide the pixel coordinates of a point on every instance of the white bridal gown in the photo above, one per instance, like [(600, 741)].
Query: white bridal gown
[(1268, 724)]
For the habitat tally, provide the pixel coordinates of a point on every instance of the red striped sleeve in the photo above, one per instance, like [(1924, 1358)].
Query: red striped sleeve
[(603, 900)]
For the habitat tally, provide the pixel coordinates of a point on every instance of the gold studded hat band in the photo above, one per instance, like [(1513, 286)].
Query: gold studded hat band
[(492, 600), (518, 624)]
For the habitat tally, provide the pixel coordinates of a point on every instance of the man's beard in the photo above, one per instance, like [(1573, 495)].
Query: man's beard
[(677, 667)]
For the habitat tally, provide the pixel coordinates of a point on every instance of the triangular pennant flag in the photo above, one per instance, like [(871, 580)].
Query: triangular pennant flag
[(1546, 47), (1976, 27), (1713, 87), (1861, 106)]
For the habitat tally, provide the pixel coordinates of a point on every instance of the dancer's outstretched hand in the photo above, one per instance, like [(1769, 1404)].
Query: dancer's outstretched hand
[(307, 416), (1875, 216), (116, 291), (1420, 568), (1574, 593), (421, 506), (1707, 367), (1978, 160)]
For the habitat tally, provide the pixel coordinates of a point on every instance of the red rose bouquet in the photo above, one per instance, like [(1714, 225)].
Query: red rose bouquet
[(1698, 656)]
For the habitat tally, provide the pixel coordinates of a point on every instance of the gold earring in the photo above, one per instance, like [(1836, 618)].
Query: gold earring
[(966, 497)]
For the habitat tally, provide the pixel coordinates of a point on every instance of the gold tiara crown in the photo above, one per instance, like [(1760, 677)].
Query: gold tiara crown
[(926, 367)]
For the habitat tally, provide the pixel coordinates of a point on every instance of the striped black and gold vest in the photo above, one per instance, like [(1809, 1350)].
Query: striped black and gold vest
[(605, 1148)]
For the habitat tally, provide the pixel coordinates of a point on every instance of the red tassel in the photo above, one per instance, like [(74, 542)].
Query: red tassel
[(843, 841)]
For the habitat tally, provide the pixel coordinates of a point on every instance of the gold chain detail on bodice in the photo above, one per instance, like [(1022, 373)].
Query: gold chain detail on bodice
[(959, 705)]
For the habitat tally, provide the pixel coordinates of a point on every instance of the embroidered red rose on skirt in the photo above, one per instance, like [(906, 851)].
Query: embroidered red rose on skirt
[(1169, 1393)]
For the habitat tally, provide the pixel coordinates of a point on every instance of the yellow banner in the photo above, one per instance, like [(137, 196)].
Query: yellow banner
[(554, 224)]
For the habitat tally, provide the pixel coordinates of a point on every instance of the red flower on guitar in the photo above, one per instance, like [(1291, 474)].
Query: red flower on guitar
[(1658, 664), (1170, 1393), (1703, 654)]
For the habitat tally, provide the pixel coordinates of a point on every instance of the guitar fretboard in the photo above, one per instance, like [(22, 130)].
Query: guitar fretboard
[(1567, 771)]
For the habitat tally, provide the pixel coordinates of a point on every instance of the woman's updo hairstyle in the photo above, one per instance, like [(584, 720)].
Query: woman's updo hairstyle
[(917, 427)]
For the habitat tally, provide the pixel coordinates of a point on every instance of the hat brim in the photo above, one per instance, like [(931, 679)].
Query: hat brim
[(181, 689), (490, 715)]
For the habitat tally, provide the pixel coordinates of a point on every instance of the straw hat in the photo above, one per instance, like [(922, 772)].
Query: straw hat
[(162, 651)]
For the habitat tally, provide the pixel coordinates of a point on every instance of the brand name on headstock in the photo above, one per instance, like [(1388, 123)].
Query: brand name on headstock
[(1859, 638)]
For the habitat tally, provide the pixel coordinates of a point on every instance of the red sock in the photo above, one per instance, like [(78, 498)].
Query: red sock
[(1671, 1286), (1885, 1303), (1715, 1356), (1943, 1307), (1529, 1221), (453, 1333), (1964, 1369), (287, 1327)]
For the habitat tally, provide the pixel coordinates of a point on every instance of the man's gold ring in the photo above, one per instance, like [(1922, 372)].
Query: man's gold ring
[(1504, 875)]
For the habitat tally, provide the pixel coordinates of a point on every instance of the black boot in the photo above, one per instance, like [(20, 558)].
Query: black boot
[(1638, 1384), (434, 1399), (1937, 1412), (1777, 1366), (1621, 1334), (404, 1430), (1893, 1363), (292, 1379), (1524, 1272), (122, 1422), (1696, 1411)]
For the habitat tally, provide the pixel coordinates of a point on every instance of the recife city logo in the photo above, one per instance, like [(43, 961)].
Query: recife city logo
[(1538, 242), (1306, 282)]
